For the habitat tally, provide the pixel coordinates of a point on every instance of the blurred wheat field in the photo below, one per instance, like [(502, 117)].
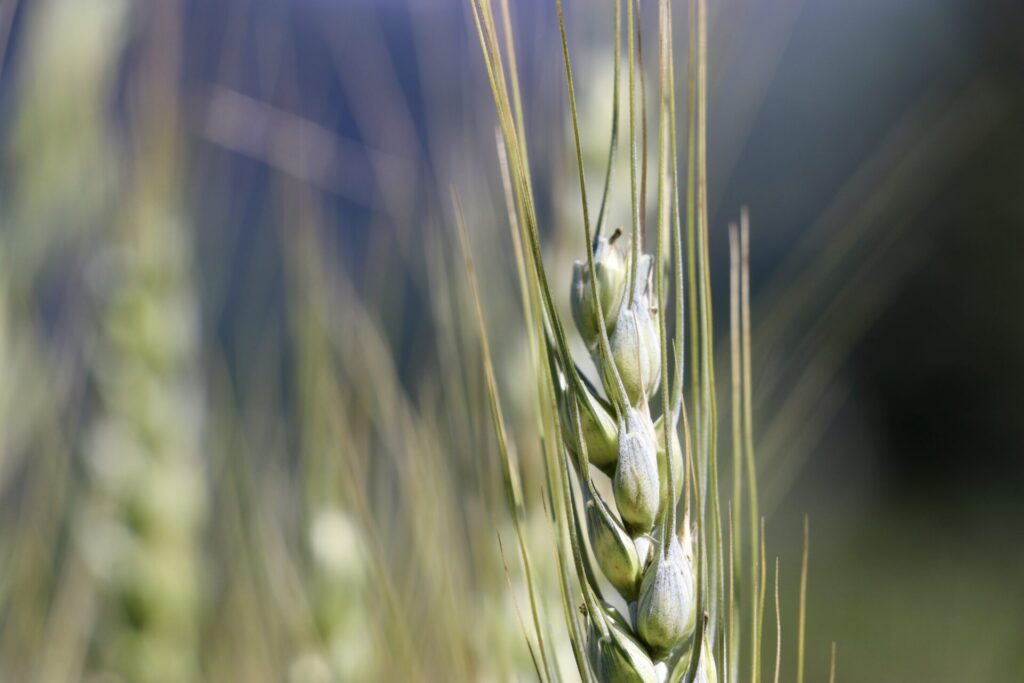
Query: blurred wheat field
[(244, 432)]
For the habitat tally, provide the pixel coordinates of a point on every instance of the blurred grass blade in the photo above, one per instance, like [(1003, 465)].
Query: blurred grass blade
[(778, 626), (513, 487)]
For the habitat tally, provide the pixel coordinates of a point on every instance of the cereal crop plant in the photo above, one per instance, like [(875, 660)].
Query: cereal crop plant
[(658, 576)]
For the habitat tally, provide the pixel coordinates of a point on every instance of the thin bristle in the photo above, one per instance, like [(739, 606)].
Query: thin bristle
[(802, 627)]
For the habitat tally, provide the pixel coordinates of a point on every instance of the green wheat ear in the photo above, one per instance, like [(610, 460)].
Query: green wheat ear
[(141, 529), (685, 617)]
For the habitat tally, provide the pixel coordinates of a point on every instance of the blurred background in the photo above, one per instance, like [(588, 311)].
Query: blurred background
[(243, 429)]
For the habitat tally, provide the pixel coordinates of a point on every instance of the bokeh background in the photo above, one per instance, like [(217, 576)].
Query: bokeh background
[(243, 433)]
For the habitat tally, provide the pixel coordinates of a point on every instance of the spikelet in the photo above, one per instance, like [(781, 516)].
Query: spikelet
[(617, 657), (666, 610), (636, 474), (612, 270), (600, 434), (635, 347), (614, 549)]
